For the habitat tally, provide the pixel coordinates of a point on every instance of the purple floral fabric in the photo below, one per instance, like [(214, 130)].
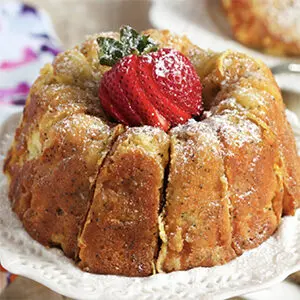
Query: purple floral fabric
[(28, 41)]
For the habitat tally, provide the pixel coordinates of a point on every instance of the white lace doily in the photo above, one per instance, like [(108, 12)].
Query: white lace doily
[(270, 263)]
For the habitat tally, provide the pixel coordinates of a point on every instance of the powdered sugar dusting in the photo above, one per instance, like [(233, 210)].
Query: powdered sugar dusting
[(253, 163), (236, 130), (149, 138), (170, 65), (86, 134), (195, 136), (147, 130), (284, 18)]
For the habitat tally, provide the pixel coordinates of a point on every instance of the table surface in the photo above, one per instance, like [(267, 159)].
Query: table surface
[(71, 26)]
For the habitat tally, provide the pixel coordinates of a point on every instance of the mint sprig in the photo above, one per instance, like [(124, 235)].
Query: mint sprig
[(110, 52), (131, 42)]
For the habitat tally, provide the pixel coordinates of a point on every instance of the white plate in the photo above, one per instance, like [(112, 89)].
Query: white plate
[(259, 268)]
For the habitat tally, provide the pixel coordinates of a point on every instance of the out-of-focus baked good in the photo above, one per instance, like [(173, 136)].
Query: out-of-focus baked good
[(132, 201), (270, 25)]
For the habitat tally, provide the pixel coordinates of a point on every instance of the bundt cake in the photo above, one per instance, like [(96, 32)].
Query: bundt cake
[(270, 25), (139, 154)]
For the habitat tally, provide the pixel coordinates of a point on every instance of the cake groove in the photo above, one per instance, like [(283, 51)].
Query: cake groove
[(55, 112), (253, 216), (195, 199), (93, 187), (161, 230)]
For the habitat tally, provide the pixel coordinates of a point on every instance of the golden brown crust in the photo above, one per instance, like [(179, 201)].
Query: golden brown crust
[(51, 193), (291, 172), (249, 161), (248, 115), (269, 25), (238, 82), (120, 235), (196, 218), (66, 189)]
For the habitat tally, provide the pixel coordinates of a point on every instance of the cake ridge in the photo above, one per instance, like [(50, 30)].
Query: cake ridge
[(93, 188), (224, 180), (119, 186), (240, 194), (257, 77), (180, 251)]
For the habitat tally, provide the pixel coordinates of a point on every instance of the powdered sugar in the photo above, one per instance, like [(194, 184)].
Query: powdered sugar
[(170, 64), (236, 129), (195, 137)]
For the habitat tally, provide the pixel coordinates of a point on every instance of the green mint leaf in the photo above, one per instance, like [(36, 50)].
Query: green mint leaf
[(146, 45), (110, 52), (130, 39), (131, 42), (136, 43), (128, 35)]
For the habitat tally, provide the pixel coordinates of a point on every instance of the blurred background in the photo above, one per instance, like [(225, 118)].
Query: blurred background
[(72, 20)]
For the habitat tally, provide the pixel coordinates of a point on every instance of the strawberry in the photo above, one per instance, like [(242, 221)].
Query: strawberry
[(147, 85)]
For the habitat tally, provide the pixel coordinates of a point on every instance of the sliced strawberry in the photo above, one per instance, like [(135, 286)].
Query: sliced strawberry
[(113, 83), (136, 96), (108, 105), (147, 86), (177, 80), (164, 105)]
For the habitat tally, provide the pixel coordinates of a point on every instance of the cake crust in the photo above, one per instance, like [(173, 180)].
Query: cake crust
[(120, 235), (197, 215)]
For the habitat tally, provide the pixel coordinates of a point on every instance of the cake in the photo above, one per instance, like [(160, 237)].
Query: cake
[(270, 25), (126, 192)]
